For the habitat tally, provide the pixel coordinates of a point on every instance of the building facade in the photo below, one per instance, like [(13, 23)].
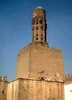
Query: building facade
[(30, 89)]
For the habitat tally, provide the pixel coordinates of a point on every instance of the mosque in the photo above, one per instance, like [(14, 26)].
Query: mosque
[(39, 70)]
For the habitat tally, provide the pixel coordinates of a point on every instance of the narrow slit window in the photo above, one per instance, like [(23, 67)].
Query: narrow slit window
[(41, 35), (41, 28), (41, 38)]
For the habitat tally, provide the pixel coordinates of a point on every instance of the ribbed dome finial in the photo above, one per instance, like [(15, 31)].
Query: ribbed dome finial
[(38, 11)]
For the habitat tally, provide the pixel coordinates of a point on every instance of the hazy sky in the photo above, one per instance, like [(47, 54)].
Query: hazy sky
[(16, 30)]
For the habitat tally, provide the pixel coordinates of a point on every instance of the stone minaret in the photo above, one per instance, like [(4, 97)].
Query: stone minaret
[(39, 25), (37, 59)]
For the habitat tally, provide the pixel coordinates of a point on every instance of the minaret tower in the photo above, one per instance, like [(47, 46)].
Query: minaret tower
[(39, 26), (37, 59)]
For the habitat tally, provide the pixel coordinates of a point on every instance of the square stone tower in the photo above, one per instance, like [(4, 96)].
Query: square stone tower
[(37, 60)]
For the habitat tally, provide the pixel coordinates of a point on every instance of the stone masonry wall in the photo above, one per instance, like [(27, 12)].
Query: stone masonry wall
[(29, 89), (38, 60), (46, 61), (23, 62), (13, 90)]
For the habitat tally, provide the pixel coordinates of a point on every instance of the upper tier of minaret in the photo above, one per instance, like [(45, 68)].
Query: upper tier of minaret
[(39, 25)]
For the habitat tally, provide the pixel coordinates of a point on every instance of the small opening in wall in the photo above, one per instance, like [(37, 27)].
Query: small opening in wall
[(41, 38), (41, 35), (36, 22), (36, 34), (37, 19), (36, 38), (40, 21), (37, 28), (2, 91), (41, 28)]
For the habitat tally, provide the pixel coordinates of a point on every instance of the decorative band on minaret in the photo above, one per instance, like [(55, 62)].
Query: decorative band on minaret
[(39, 25)]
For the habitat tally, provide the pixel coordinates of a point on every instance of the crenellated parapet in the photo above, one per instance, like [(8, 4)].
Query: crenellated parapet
[(68, 77), (3, 88), (3, 79)]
